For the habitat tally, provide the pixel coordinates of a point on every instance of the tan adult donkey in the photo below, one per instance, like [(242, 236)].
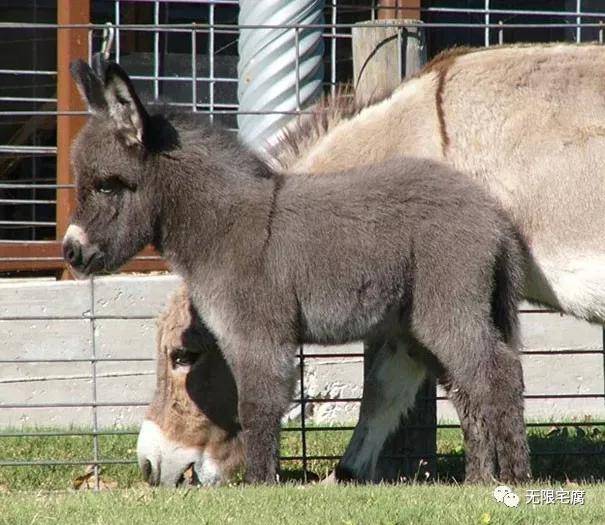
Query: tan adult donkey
[(528, 123)]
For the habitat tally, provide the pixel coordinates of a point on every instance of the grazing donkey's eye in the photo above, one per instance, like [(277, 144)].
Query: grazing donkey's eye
[(183, 357), (110, 186)]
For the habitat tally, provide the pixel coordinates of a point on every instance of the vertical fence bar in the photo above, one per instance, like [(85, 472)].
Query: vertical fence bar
[(193, 71), (156, 50), (90, 45), (211, 75), (303, 413), (578, 21), (117, 39), (603, 341), (487, 17), (500, 33), (72, 43), (93, 370), (35, 134), (600, 31), (334, 18)]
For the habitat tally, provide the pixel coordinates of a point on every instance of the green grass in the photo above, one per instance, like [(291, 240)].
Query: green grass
[(66, 448), (414, 504), (123, 447), (43, 494)]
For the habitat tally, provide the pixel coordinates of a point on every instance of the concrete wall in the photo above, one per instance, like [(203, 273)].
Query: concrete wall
[(69, 335)]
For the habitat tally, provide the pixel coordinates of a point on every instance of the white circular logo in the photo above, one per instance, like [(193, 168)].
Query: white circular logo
[(500, 492), (511, 500)]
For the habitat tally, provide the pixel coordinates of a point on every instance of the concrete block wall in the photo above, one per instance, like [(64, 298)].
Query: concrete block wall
[(70, 336)]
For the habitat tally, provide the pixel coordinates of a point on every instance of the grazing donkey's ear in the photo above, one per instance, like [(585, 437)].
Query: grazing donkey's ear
[(89, 85), (125, 107)]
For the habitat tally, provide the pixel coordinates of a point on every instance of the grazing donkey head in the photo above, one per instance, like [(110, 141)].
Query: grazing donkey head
[(192, 420), (112, 156)]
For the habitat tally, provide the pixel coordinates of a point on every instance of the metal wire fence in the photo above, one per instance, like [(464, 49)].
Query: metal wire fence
[(194, 65)]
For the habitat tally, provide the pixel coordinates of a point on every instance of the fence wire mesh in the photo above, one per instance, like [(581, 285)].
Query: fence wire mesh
[(185, 53)]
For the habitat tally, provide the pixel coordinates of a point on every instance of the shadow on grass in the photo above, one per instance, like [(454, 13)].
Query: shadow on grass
[(563, 454)]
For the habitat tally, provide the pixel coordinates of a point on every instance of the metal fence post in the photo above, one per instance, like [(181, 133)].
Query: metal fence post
[(279, 69)]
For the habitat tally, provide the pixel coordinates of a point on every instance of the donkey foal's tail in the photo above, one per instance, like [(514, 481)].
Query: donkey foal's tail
[(508, 282)]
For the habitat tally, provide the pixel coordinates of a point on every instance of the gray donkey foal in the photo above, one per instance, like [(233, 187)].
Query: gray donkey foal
[(408, 250)]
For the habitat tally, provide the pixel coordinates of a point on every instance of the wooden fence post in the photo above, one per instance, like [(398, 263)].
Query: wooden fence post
[(382, 56), (72, 43), (399, 9)]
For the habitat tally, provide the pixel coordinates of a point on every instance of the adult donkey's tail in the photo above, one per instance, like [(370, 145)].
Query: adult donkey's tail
[(509, 275)]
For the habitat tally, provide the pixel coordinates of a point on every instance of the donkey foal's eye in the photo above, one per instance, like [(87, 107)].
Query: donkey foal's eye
[(110, 186)]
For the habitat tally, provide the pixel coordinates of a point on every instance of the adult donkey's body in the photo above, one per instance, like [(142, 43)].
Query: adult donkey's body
[(408, 251), (526, 122)]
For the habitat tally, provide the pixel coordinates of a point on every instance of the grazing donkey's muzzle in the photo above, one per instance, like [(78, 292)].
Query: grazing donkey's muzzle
[(79, 253), (164, 462)]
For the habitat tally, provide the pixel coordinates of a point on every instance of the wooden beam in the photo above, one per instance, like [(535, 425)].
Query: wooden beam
[(390, 9), (47, 257), (71, 44)]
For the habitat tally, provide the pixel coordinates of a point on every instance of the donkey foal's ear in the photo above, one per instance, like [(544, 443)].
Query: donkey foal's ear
[(125, 107), (89, 85)]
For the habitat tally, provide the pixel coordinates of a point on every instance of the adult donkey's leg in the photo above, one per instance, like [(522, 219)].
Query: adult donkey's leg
[(390, 389), (265, 380)]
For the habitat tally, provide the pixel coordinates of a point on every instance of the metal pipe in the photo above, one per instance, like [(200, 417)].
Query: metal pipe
[(279, 69)]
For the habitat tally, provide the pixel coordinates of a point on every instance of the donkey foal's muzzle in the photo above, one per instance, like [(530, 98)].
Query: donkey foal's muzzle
[(82, 256)]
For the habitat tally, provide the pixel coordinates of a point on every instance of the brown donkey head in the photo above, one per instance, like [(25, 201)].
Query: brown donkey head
[(192, 420)]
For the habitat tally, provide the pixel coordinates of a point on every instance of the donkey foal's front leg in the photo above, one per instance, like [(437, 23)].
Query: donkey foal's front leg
[(264, 383)]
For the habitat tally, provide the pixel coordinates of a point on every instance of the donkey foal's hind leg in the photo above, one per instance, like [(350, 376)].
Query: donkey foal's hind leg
[(512, 451), (487, 391)]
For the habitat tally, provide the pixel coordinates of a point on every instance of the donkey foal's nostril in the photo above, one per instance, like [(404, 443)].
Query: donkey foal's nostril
[(72, 253)]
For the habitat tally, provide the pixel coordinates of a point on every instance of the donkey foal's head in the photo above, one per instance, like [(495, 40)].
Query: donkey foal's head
[(113, 158)]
